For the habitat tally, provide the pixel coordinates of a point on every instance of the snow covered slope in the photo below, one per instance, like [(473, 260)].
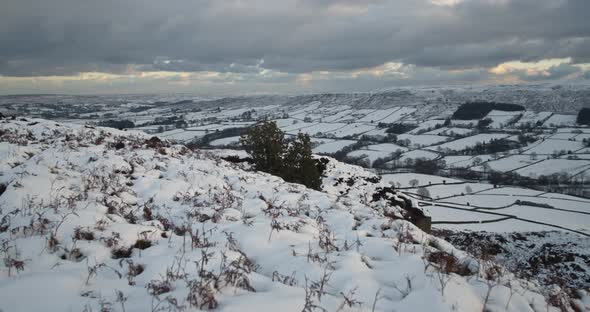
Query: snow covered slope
[(103, 220), (551, 257)]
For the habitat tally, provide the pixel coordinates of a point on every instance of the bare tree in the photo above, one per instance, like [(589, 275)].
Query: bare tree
[(423, 192), (477, 161)]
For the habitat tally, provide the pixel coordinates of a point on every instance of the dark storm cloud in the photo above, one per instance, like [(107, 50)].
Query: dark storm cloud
[(562, 70), (62, 37)]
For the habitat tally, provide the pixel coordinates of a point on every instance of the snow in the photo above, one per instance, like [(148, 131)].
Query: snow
[(451, 131), (449, 190), (352, 129), (574, 130), (471, 141), (377, 133), (235, 140), (297, 127), (397, 115), (506, 190), (459, 161), (464, 123), (488, 203), (339, 116), (423, 179), (428, 124), (373, 152), (532, 118), (238, 211), (505, 226), (181, 135), (423, 139), (550, 217), (575, 221), (317, 128), (378, 115), (444, 214), (519, 250), (218, 126), (560, 120), (385, 147), (13, 155), (418, 154), (551, 166), (563, 136), (285, 122), (510, 163), (332, 147), (549, 146), (582, 136), (501, 119), (209, 232)]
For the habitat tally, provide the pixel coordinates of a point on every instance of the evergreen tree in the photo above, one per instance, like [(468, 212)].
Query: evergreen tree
[(272, 153), (266, 144), (584, 116), (300, 166)]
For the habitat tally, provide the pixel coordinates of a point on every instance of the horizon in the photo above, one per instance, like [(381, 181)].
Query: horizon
[(532, 86)]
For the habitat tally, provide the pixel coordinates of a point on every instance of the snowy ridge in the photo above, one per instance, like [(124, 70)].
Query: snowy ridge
[(103, 220), (550, 257)]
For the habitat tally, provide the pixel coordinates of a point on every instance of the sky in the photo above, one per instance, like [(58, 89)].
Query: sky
[(214, 47)]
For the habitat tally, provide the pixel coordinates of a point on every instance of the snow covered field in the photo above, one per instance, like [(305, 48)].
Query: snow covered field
[(510, 163), (373, 152), (551, 166), (332, 147), (560, 120), (451, 131), (314, 128), (428, 124), (423, 179), (418, 154), (456, 203), (423, 140), (353, 129), (501, 119), (182, 135), (471, 141), (531, 117), (235, 140)]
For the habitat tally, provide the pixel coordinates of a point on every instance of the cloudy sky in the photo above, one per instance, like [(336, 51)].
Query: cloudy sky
[(250, 46)]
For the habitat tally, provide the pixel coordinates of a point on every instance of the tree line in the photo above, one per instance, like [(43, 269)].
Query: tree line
[(478, 110)]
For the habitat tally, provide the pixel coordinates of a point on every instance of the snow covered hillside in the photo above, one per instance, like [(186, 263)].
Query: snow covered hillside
[(93, 219), (551, 257)]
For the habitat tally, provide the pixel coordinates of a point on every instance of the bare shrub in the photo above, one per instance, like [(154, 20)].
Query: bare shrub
[(121, 252), (11, 257), (288, 280), (83, 234), (448, 263)]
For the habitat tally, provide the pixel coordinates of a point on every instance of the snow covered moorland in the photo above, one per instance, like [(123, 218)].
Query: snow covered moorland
[(103, 220)]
